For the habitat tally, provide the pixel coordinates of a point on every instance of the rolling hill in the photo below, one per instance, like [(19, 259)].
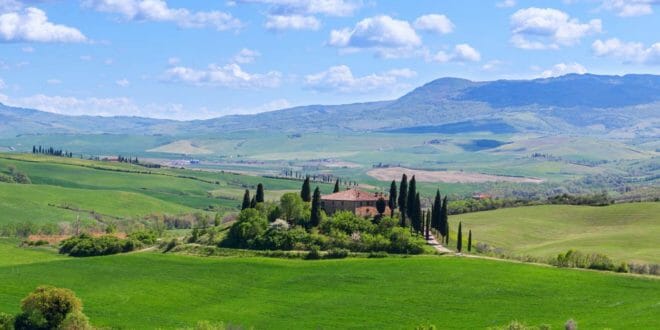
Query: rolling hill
[(620, 106)]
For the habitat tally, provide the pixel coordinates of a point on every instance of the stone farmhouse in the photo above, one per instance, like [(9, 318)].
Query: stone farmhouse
[(360, 202)]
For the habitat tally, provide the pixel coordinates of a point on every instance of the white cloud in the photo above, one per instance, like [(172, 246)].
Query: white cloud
[(460, 53), (108, 61), (310, 7), (506, 4), (341, 79), (173, 61), (158, 11), (561, 69), (387, 36), (230, 75), (547, 28), (27, 50), (293, 22), (10, 5), (628, 8), (246, 56), (53, 81), (85, 58), (628, 52), (435, 23), (32, 25), (123, 82), (492, 65), (269, 106)]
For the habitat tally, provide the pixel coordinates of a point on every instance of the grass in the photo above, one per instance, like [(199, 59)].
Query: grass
[(122, 190), (147, 290), (44, 204), (624, 232)]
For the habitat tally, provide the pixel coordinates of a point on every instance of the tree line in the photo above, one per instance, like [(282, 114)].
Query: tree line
[(51, 151)]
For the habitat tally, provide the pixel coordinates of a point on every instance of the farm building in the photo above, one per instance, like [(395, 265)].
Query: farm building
[(360, 202)]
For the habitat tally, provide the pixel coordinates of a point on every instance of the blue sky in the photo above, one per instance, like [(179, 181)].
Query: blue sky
[(202, 59)]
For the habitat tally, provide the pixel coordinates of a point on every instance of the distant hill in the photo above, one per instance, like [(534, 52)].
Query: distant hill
[(619, 106)]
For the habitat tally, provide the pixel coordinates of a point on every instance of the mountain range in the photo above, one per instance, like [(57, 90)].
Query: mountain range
[(619, 106)]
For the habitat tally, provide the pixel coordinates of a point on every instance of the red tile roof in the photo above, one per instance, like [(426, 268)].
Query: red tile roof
[(352, 195)]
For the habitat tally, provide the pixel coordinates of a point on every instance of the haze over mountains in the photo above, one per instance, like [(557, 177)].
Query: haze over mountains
[(618, 106)]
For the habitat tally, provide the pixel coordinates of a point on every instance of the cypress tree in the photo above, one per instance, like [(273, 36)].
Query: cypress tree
[(392, 200), (459, 238), (427, 225), (417, 214), (403, 198), (253, 202), (305, 191), (444, 222), (380, 207), (246, 200), (412, 194), (436, 211), (470, 240), (315, 218), (336, 190), (260, 193)]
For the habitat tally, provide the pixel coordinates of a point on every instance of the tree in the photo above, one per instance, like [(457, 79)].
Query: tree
[(315, 218), (436, 210), (305, 191), (246, 200), (459, 239), (260, 193), (470, 240), (412, 194), (292, 206), (417, 215), (403, 198), (46, 308), (253, 202), (392, 198), (218, 220), (444, 222), (427, 225), (381, 204), (336, 190)]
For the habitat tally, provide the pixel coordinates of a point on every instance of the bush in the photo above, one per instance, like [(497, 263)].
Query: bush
[(337, 254), (144, 237), (171, 245), (87, 246), (6, 322), (313, 254), (75, 321), (247, 230), (46, 308), (378, 254)]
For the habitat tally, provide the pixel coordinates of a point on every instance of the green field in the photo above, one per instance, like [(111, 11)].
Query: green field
[(624, 232), (120, 190), (149, 290)]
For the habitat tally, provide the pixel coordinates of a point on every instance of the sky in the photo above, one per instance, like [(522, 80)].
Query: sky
[(202, 59)]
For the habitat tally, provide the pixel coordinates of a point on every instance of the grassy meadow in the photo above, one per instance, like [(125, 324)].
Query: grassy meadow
[(149, 290), (625, 232)]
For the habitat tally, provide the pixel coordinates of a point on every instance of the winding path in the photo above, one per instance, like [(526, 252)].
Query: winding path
[(438, 247)]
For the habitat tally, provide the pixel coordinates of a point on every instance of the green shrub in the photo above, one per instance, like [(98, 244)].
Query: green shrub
[(46, 308), (144, 237), (313, 254), (247, 230), (337, 254), (75, 321), (6, 322), (85, 245), (377, 254)]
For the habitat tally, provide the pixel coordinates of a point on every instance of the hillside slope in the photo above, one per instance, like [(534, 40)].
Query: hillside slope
[(622, 106)]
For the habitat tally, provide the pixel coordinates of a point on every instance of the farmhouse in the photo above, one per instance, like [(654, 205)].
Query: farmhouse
[(360, 202)]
